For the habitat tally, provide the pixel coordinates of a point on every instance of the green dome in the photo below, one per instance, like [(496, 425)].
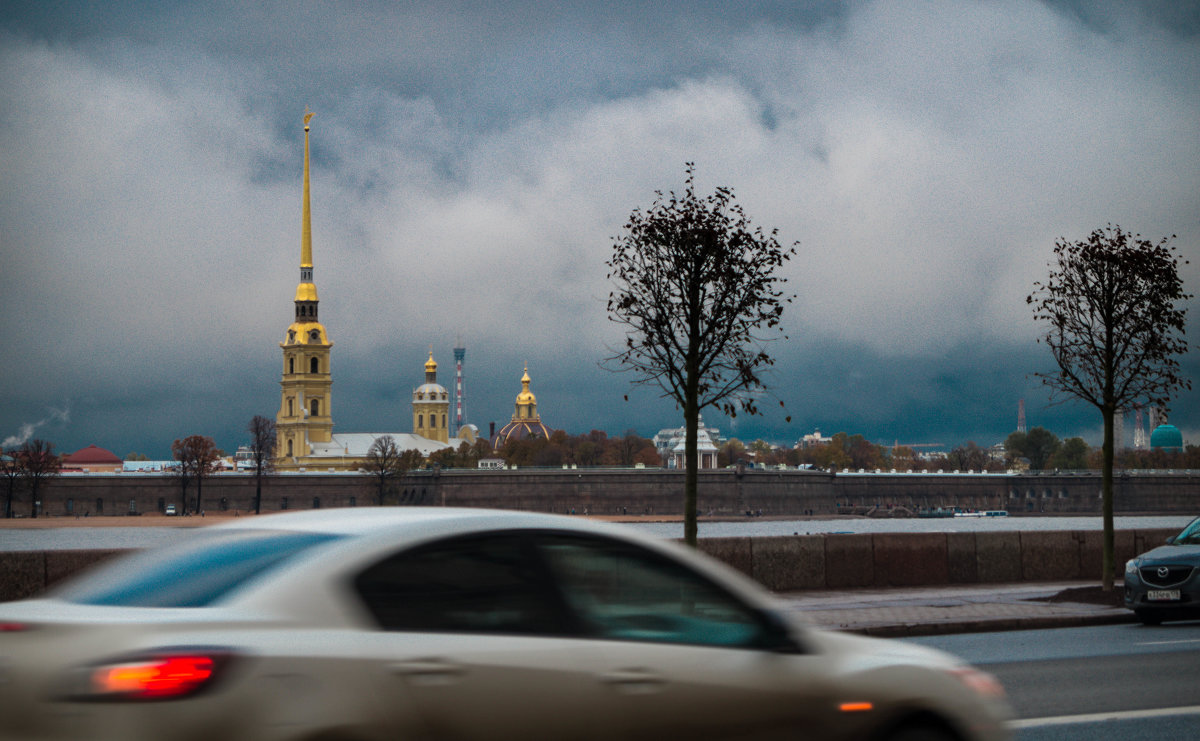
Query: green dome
[(1166, 437)]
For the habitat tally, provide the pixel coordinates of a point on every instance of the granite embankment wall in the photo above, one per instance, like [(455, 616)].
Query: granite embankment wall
[(797, 562), (926, 559), (641, 491)]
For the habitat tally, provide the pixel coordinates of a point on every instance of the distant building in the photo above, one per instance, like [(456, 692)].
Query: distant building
[(813, 439), (1167, 438), (526, 422), (431, 406), (706, 452), (667, 439), (93, 459)]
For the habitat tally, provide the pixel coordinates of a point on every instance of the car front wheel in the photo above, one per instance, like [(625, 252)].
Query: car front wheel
[(922, 733)]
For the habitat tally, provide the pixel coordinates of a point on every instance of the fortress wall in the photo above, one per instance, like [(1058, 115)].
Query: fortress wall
[(630, 491)]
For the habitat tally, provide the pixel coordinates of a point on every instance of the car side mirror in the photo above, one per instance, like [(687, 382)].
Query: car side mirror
[(1171, 540)]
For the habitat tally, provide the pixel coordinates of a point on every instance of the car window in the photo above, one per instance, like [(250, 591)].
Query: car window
[(196, 573), (624, 592), (489, 584)]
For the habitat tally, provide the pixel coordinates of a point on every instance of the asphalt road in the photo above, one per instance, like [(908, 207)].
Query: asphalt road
[(1124, 682)]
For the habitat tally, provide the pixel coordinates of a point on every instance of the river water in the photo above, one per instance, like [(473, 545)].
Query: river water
[(144, 537)]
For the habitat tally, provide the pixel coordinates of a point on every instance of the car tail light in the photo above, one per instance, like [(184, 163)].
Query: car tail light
[(6, 627), (165, 675)]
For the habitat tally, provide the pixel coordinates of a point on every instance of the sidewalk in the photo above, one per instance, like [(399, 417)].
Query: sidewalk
[(917, 611)]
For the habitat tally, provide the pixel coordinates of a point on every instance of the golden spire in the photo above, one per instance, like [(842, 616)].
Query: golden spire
[(306, 292), (306, 216)]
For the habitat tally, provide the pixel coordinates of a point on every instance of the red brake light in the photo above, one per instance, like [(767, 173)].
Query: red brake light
[(12, 627), (162, 676)]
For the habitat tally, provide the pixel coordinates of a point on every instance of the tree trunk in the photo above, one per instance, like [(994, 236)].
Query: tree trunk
[(1106, 489), (691, 423), (199, 491), (33, 503), (258, 491)]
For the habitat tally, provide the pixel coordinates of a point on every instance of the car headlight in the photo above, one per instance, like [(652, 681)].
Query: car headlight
[(1131, 567)]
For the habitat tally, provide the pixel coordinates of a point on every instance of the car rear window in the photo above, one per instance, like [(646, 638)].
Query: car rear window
[(197, 573)]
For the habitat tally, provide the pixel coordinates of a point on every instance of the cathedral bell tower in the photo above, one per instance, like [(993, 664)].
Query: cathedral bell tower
[(304, 415), (431, 403)]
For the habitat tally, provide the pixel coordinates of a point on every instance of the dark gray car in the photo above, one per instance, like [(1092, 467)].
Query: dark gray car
[(1164, 584)]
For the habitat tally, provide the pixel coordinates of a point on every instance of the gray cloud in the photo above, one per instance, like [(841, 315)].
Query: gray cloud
[(471, 167)]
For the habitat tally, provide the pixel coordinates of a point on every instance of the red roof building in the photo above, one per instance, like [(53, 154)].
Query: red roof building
[(92, 459)]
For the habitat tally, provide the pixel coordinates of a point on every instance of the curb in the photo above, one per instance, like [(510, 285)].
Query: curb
[(912, 630)]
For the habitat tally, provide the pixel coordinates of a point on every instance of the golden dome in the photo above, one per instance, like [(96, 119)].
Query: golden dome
[(431, 364), (526, 396), (306, 333), (306, 292)]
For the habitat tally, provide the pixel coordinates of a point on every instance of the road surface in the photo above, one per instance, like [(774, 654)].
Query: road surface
[(1126, 682)]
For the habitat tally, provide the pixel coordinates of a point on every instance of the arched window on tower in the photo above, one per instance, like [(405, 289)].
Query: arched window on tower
[(289, 448), (443, 421), (315, 407), (420, 421), (314, 366), (291, 411)]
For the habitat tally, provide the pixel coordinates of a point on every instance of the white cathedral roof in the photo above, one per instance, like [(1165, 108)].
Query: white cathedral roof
[(704, 443)]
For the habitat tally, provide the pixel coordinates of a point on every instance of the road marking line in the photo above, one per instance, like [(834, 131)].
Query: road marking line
[(1063, 720), (1169, 643)]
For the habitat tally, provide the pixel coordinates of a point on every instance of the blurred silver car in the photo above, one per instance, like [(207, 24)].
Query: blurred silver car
[(364, 624), (1164, 584)]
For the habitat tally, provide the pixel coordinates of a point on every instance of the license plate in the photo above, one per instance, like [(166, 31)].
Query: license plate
[(1162, 595)]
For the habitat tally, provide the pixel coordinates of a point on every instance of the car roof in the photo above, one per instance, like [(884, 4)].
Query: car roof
[(367, 521)]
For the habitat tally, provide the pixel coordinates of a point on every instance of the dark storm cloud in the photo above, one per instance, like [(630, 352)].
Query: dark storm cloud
[(472, 163)]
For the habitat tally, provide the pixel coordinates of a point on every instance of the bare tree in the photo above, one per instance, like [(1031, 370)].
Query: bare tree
[(695, 287), (262, 448), (197, 456), (384, 463), (11, 470), (37, 463), (1113, 304), (182, 475)]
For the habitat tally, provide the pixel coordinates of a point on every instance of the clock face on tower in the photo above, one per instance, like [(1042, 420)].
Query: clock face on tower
[(314, 335), (291, 335)]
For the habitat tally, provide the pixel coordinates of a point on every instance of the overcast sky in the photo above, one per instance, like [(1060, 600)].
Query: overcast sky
[(473, 162)]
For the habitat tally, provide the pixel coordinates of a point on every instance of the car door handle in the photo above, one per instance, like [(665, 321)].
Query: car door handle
[(428, 671), (634, 681)]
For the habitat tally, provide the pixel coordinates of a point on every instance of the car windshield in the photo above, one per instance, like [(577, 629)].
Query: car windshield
[(1190, 534), (197, 573)]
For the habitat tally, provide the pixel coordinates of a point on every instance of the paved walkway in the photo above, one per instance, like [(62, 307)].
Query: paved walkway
[(917, 611)]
